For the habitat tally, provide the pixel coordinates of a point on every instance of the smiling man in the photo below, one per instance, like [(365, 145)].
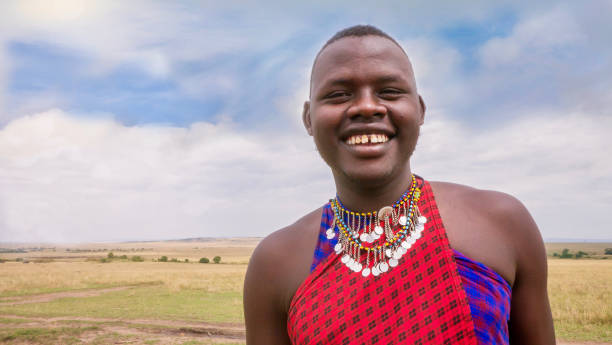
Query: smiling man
[(393, 258)]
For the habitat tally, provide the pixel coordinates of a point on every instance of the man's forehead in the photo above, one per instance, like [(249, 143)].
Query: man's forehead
[(380, 51)]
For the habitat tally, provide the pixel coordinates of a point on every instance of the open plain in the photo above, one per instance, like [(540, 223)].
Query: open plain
[(160, 293)]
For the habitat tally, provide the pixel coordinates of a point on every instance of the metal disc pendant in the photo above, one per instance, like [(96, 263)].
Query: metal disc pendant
[(369, 238), (397, 255), (331, 235), (422, 220), (402, 250), (375, 271), (356, 266), (388, 252), (385, 212), (393, 262), (405, 244), (338, 248), (345, 259), (402, 220), (365, 272), (417, 235), (363, 237), (384, 267), (378, 230)]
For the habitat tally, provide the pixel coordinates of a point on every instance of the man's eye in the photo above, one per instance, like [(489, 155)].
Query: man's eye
[(337, 94), (390, 91)]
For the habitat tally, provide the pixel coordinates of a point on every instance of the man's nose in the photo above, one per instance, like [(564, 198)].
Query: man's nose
[(366, 104)]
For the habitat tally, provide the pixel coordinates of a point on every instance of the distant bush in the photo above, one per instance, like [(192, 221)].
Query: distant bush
[(163, 259), (174, 260), (18, 259), (124, 257), (186, 260), (104, 260), (137, 258), (608, 251), (110, 255), (555, 254), (581, 254), (204, 260), (565, 254), (217, 259), (2, 261)]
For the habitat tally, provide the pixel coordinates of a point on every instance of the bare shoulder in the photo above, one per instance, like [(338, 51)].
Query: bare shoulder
[(489, 226), (282, 257), (277, 267), (504, 210)]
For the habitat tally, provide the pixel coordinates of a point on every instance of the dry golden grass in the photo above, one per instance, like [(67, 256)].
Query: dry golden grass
[(18, 278), (581, 298)]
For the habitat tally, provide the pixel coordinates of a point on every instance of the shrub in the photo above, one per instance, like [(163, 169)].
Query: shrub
[(204, 260), (186, 260), (174, 260), (110, 255), (137, 258), (581, 254), (104, 260), (124, 257), (555, 254), (163, 259), (608, 251), (565, 254), (18, 259), (2, 261), (217, 259)]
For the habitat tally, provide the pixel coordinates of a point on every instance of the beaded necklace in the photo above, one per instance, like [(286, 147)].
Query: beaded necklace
[(361, 234)]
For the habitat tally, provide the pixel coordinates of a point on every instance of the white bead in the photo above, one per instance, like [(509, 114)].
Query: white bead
[(365, 272)]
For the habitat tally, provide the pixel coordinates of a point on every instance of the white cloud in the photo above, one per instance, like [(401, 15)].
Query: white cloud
[(532, 38), (555, 163), (65, 178)]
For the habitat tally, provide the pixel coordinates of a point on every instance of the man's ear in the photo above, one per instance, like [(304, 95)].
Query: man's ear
[(306, 118), (423, 107)]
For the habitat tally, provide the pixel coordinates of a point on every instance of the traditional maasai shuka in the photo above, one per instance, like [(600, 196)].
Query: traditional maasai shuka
[(421, 301)]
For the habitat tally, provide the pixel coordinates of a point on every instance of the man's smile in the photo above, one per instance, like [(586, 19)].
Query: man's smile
[(362, 139)]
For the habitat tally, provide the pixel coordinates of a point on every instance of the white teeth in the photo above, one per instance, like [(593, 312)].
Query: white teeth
[(367, 138)]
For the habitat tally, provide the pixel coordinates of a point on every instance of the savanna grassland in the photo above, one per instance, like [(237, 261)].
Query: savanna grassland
[(78, 295)]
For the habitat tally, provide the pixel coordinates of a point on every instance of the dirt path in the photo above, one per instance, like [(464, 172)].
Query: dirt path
[(141, 331), (53, 296)]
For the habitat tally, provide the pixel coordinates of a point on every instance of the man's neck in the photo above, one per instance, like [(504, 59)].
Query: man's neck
[(362, 196)]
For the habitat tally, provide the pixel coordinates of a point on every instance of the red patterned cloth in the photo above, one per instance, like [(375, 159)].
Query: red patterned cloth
[(421, 301)]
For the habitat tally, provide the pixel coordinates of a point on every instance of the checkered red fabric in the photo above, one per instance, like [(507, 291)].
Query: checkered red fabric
[(421, 301)]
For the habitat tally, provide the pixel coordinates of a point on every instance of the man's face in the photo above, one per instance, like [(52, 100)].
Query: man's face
[(364, 112)]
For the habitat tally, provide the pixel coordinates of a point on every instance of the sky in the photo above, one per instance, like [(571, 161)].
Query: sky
[(152, 120)]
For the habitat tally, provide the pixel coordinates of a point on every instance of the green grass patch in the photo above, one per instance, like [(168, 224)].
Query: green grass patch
[(63, 335), (92, 286), (150, 302), (12, 321)]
